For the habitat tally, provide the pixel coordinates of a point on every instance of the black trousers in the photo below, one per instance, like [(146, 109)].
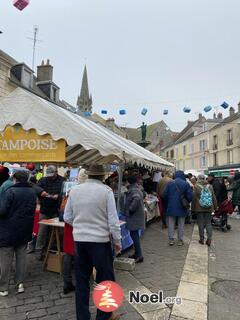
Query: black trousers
[(87, 256), (136, 242)]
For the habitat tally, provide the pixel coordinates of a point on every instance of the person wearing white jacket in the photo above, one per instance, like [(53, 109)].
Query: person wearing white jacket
[(91, 210)]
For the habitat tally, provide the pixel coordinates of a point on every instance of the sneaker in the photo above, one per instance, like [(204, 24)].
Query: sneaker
[(180, 243), (171, 242), (201, 241), (3, 293), (20, 288)]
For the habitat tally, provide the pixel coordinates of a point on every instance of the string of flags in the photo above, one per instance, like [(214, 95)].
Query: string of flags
[(186, 109)]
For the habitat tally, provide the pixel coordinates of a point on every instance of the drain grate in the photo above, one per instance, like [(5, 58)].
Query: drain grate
[(228, 289)]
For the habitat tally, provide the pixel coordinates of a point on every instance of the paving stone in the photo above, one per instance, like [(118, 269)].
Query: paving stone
[(193, 291), (191, 310), (37, 314), (33, 300)]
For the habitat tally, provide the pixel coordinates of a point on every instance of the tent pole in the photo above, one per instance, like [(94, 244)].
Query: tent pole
[(120, 176)]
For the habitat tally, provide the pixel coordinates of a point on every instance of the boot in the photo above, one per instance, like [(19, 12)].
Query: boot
[(208, 242)]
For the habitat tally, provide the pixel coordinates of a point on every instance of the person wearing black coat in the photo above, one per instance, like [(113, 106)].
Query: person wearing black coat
[(134, 211), (49, 205), (17, 209)]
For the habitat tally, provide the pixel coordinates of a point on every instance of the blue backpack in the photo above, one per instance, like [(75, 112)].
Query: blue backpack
[(206, 200)]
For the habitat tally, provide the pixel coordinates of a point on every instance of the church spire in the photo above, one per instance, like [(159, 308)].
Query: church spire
[(84, 101)]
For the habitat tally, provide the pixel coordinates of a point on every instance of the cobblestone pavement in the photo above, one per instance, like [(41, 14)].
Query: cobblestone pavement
[(43, 298), (224, 264)]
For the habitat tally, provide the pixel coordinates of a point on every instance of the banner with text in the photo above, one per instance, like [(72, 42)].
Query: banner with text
[(18, 145)]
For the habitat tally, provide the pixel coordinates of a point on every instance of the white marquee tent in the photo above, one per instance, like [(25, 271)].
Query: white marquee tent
[(86, 141)]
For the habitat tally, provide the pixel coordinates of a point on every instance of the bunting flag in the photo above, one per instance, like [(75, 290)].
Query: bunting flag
[(165, 112), (144, 111), (20, 4), (122, 112), (207, 108), (186, 110), (104, 112), (224, 105)]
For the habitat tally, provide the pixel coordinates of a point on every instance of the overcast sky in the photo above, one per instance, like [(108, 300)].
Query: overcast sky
[(153, 53)]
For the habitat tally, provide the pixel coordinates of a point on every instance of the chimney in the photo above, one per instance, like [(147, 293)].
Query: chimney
[(110, 123), (45, 71), (214, 116), (220, 116), (238, 107), (231, 112), (200, 117)]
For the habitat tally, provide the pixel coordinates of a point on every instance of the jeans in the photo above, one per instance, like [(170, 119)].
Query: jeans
[(43, 233), (6, 260), (87, 256), (67, 270), (204, 221), (136, 242), (171, 227)]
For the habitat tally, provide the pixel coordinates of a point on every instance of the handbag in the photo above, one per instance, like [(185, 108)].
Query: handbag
[(184, 202)]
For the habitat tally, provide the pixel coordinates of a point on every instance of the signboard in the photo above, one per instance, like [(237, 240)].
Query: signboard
[(18, 145)]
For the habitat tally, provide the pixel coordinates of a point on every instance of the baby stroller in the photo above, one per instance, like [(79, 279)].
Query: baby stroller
[(220, 216)]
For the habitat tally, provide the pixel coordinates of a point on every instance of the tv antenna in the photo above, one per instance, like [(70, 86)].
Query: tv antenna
[(35, 40)]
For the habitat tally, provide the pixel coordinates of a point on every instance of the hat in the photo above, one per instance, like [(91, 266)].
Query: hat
[(51, 170), (82, 176), (3, 169), (96, 170)]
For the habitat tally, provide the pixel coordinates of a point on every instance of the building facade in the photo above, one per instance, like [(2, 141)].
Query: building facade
[(224, 148), (190, 150)]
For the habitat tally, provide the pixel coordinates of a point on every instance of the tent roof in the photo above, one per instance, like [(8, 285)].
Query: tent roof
[(86, 140)]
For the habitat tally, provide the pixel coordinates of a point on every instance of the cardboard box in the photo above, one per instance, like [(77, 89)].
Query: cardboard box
[(53, 264)]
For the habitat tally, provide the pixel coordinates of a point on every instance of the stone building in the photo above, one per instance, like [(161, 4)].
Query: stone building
[(190, 150), (14, 74), (224, 147)]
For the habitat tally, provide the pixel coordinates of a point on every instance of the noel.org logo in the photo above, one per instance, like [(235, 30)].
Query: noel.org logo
[(108, 296)]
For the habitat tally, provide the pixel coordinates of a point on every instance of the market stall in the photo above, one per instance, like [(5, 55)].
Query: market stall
[(36, 130)]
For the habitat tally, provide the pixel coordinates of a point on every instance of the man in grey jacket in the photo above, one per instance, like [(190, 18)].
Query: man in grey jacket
[(91, 210)]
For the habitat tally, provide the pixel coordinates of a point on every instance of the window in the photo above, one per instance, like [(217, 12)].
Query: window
[(192, 148), (203, 145), (229, 137), (203, 161), (167, 155), (193, 163), (229, 156), (157, 133), (172, 154), (176, 152), (184, 150), (215, 160), (215, 142), (54, 94)]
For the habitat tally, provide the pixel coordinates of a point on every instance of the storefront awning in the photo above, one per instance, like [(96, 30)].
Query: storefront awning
[(87, 142)]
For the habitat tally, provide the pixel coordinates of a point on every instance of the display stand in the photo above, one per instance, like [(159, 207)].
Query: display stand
[(54, 258)]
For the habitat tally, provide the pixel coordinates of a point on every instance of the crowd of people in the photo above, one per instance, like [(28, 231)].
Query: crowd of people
[(92, 230)]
